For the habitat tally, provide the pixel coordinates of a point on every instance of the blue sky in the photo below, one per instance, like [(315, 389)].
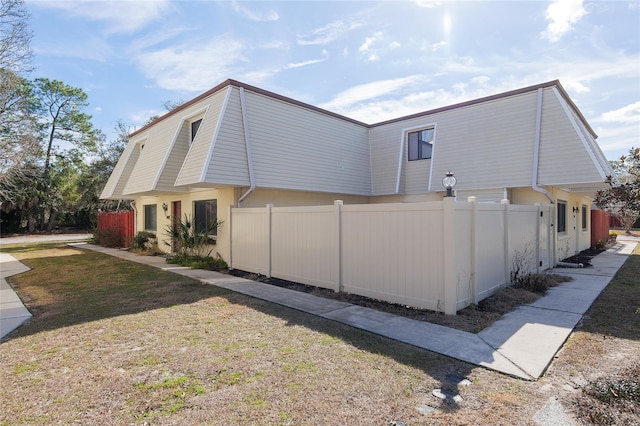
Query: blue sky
[(371, 61)]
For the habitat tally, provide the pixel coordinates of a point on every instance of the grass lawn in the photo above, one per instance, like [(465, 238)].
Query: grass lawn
[(113, 342)]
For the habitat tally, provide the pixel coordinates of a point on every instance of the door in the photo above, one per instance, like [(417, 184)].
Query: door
[(176, 215)]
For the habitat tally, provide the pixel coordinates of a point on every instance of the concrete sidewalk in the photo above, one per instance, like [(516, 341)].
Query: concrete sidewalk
[(12, 311), (521, 344)]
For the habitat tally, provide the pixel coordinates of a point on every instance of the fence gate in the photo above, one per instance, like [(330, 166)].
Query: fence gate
[(546, 246)]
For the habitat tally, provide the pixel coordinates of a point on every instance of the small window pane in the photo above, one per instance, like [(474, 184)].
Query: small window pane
[(194, 128), (562, 216), (420, 145), (150, 217), (584, 217), (206, 214)]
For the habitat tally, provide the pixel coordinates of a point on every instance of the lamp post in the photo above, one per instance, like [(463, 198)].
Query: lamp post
[(449, 181)]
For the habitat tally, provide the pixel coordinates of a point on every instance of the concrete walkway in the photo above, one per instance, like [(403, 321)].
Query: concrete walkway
[(12, 311), (521, 344)]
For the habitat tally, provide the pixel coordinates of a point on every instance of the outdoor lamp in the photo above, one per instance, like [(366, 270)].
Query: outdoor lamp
[(449, 181), (165, 207)]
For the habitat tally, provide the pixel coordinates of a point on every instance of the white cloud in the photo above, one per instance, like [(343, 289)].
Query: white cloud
[(193, 66), (328, 33), (119, 16), (562, 14), (268, 16), (627, 114), (437, 46), (371, 90), (429, 4), (140, 117), (292, 65), (394, 45), (575, 86), (365, 48)]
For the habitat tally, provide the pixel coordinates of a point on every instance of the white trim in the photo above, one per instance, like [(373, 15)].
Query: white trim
[(173, 143), (247, 142), (223, 110), (403, 139), (536, 149), (580, 133)]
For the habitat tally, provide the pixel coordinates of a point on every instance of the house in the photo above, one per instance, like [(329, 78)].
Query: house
[(239, 145)]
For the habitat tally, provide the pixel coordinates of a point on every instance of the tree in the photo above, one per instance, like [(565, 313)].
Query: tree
[(15, 37), (622, 199), (67, 135), (18, 141), (19, 147)]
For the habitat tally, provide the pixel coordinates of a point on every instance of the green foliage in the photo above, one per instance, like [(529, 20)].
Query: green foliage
[(144, 240), (622, 199), (193, 247), (108, 238), (190, 242), (198, 262)]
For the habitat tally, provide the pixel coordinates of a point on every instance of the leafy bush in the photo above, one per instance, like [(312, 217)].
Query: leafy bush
[(144, 240), (199, 262), (108, 238), (189, 241)]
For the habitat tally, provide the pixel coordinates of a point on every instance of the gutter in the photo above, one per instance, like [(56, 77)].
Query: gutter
[(536, 151), (247, 141)]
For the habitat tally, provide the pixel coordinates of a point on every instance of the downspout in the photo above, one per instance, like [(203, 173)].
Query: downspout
[(247, 141), (536, 151), (135, 213)]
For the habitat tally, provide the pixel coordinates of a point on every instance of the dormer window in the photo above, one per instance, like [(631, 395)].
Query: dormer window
[(195, 125), (420, 144)]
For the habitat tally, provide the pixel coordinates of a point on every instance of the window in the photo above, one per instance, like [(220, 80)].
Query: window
[(150, 217), (420, 144), (206, 214), (562, 216), (194, 128), (584, 217)]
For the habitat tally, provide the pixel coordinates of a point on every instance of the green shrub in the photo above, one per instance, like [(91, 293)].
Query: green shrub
[(108, 238), (144, 240), (198, 262)]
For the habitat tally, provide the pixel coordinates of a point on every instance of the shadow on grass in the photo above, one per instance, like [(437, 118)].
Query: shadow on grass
[(69, 286)]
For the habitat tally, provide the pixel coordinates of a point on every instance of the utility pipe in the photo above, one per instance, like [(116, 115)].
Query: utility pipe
[(536, 151), (247, 141)]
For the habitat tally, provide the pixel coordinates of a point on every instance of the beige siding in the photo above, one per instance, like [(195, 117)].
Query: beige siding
[(298, 148), (175, 158), (228, 163), (488, 145), (283, 198), (197, 158), (564, 147), (473, 141), (121, 172)]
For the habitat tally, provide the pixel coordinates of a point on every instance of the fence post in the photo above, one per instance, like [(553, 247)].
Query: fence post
[(507, 247), (337, 204), (448, 246), (474, 249), (269, 239), (230, 226), (539, 223)]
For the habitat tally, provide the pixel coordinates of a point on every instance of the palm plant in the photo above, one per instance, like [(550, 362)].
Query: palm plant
[(190, 242)]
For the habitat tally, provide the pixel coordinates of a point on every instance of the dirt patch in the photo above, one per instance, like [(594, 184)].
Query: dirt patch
[(472, 319)]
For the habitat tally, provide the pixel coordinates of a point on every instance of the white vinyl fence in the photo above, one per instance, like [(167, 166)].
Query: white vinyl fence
[(441, 255)]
